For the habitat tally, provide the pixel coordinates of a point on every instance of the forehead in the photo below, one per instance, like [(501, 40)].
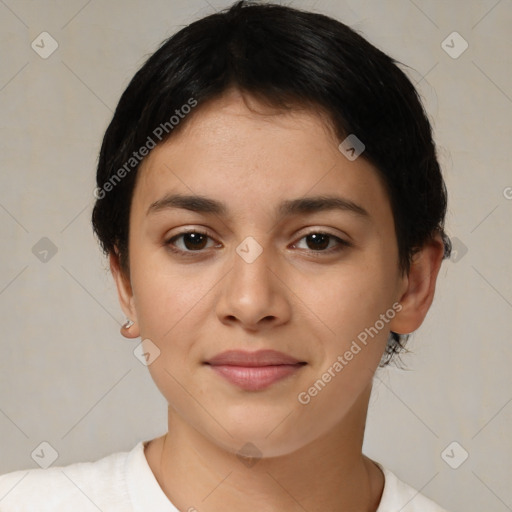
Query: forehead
[(253, 157)]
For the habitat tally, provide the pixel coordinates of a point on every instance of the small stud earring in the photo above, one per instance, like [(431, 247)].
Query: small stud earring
[(128, 323)]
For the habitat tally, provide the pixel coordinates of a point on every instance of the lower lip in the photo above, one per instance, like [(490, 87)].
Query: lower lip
[(254, 378)]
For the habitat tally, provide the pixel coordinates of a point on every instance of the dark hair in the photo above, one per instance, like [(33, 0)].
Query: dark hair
[(286, 58)]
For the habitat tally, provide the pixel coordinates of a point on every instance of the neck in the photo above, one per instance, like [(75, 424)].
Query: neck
[(329, 474)]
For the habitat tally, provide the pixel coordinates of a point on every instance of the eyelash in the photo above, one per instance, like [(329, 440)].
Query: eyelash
[(342, 244)]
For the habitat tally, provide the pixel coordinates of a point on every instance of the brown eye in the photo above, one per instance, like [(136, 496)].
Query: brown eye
[(194, 241), (317, 241), (320, 242), (191, 241)]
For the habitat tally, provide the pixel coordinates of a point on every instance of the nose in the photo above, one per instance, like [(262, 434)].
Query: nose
[(254, 294)]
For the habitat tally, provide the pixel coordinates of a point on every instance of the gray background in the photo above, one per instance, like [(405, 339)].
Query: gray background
[(68, 377)]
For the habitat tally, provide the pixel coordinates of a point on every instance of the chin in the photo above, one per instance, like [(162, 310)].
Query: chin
[(269, 437)]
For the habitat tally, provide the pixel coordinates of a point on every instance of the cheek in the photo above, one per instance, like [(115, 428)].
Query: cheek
[(351, 308), (163, 294), (350, 299), (357, 307), (164, 303), (170, 311)]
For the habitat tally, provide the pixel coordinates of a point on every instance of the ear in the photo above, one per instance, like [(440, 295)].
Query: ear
[(417, 292), (125, 295)]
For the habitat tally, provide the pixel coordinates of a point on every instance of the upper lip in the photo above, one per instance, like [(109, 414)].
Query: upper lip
[(258, 358)]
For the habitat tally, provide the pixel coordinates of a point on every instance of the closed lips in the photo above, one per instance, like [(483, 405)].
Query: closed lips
[(254, 371), (253, 359)]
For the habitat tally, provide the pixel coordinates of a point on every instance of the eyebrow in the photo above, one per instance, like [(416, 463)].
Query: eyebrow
[(291, 207)]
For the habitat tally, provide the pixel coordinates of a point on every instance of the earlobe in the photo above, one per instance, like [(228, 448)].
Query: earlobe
[(420, 287), (130, 329)]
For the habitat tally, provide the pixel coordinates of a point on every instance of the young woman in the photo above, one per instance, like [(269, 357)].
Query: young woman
[(272, 207)]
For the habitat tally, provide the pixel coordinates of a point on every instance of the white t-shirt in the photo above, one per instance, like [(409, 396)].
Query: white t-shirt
[(124, 482)]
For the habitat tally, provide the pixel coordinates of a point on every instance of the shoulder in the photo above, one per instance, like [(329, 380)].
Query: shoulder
[(83, 485), (397, 495)]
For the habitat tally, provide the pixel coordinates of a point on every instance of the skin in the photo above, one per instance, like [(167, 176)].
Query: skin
[(293, 298)]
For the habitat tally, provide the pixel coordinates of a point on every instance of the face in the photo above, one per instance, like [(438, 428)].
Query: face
[(266, 263)]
